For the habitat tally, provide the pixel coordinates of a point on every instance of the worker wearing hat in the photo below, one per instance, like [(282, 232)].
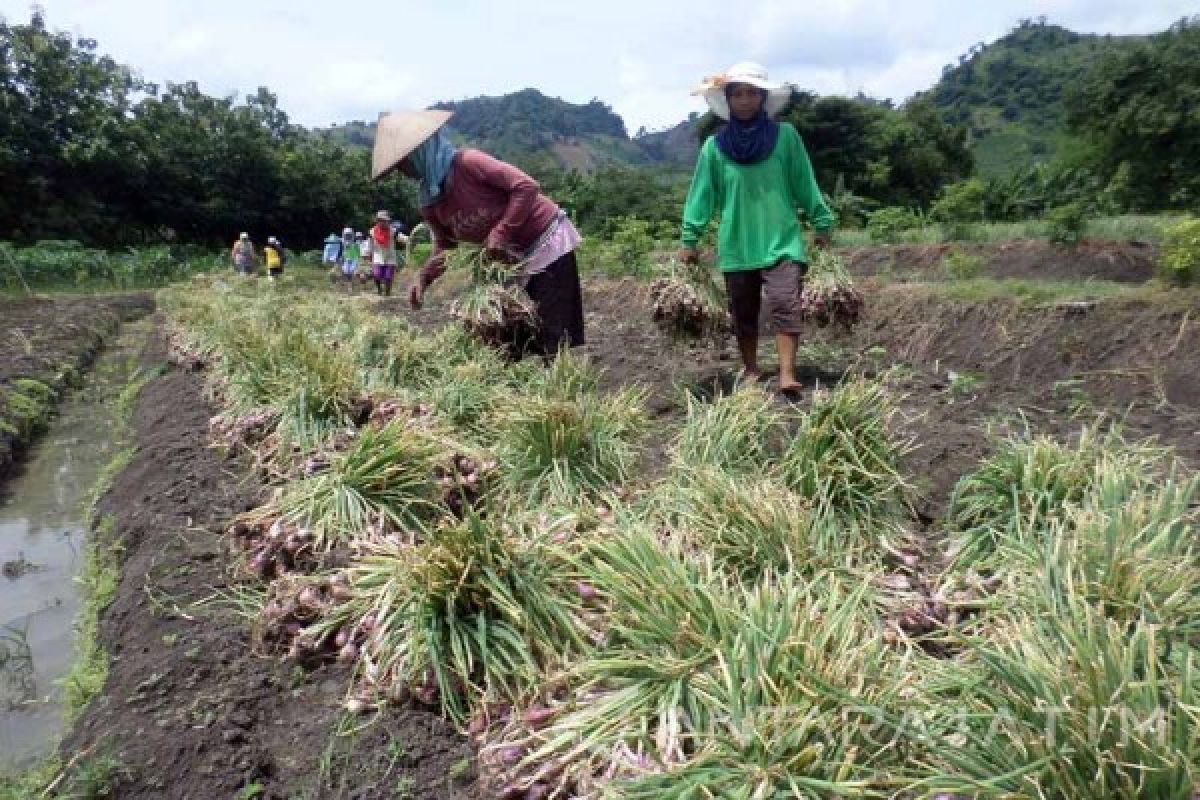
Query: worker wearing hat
[(469, 196), (753, 175), (275, 257), (243, 255), (383, 253), (349, 262)]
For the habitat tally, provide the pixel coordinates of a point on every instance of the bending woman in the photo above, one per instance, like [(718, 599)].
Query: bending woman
[(469, 196)]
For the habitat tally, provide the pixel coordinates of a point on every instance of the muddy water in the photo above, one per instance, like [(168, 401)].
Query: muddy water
[(43, 535)]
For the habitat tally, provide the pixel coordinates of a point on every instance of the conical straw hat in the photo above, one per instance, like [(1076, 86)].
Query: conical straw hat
[(399, 133)]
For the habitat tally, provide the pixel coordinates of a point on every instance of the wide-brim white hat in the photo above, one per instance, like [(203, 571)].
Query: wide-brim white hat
[(399, 133), (712, 88)]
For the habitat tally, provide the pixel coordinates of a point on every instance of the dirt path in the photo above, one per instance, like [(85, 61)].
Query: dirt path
[(189, 709)]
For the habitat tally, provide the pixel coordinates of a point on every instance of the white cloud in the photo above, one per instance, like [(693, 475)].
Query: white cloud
[(332, 63)]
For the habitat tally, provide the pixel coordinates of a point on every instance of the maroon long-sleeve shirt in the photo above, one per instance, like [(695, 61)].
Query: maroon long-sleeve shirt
[(486, 201)]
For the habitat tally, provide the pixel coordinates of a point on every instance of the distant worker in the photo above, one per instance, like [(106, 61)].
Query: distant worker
[(275, 257), (752, 176), (383, 254), (365, 255), (401, 244), (349, 256), (244, 257), (333, 250)]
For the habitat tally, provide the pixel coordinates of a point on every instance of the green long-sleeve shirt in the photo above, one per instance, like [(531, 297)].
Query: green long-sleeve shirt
[(757, 204)]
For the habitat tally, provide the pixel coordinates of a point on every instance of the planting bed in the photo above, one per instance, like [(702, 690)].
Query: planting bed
[(190, 710), (1122, 262), (44, 345), (550, 561)]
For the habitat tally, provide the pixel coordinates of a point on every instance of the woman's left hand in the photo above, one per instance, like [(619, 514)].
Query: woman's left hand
[(500, 254), (496, 249)]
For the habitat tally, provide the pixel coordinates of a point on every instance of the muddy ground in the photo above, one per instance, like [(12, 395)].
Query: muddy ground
[(52, 340), (191, 710)]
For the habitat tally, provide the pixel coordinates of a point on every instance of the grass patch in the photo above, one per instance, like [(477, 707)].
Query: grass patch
[(1033, 292), (129, 394), (107, 474), (101, 574), (1124, 228), (25, 413), (85, 777), (30, 783)]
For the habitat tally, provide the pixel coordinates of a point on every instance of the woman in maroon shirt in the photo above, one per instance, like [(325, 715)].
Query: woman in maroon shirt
[(468, 196)]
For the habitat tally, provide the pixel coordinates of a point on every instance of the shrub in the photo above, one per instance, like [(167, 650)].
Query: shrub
[(1179, 260), (962, 266), (1067, 223), (633, 242), (886, 224), (960, 202)]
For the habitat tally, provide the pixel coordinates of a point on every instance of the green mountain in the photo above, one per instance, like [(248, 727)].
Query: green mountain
[(1009, 94), (527, 127)]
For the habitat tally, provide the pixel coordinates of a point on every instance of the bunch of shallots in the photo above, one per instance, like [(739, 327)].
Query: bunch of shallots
[(689, 304)]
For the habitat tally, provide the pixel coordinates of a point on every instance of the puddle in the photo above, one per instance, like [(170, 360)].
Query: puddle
[(43, 532)]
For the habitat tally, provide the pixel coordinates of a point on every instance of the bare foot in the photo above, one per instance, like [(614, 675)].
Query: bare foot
[(792, 391)]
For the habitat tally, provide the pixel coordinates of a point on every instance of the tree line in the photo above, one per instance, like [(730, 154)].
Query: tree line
[(91, 151)]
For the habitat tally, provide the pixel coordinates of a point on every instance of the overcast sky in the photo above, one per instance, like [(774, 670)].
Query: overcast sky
[(333, 62)]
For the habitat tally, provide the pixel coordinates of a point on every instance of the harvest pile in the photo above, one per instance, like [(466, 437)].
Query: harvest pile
[(495, 309), (829, 296), (762, 621), (689, 303)]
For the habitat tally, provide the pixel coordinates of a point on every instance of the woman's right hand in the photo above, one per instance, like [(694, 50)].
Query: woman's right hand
[(689, 255), (416, 293)]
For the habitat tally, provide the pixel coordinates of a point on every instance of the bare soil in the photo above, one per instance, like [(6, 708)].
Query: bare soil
[(1121, 262)]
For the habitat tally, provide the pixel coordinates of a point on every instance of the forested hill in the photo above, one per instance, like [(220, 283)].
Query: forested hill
[(528, 124), (1010, 94)]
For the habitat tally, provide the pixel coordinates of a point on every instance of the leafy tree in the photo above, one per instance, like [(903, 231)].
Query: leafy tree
[(1140, 110), (89, 151), (61, 130)]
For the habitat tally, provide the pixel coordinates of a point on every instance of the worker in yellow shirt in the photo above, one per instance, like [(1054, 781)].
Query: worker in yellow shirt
[(275, 257)]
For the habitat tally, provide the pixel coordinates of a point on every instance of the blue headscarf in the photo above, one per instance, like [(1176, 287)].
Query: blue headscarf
[(750, 141), (432, 161)]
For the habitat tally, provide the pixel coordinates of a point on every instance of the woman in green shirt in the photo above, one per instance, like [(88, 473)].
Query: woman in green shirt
[(754, 174)]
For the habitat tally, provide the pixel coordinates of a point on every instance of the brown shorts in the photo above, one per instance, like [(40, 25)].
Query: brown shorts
[(783, 283)]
